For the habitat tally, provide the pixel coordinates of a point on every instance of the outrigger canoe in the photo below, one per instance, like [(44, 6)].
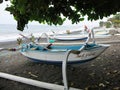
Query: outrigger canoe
[(55, 54)]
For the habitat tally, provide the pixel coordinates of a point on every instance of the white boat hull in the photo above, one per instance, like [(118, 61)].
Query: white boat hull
[(58, 56), (70, 37)]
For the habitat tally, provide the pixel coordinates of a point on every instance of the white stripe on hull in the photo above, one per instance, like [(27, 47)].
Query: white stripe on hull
[(70, 37)]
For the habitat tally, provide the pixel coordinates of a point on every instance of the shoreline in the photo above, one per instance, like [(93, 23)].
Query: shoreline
[(102, 73)]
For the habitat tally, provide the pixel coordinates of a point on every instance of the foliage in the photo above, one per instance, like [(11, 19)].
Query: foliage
[(115, 20), (111, 22), (101, 23), (108, 24), (1, 1), (52, 11)]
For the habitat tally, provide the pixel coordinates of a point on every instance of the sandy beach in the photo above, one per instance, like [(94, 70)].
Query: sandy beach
[(102, 73)]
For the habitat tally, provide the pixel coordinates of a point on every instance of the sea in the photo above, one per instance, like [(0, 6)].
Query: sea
[(9, 32)]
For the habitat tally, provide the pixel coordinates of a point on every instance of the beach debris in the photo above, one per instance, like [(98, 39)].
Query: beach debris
[(108, 73), (8, 49), (107, 82), (99, 58), (102, 85), (92, 65), (105, 68), (118, 72), (92, 74), (117, 56), (71, 84), (19, 41), (114, 50), (12, 49), (116, 88), (112, 72), (33, 75), (115, 71), (93, 87)]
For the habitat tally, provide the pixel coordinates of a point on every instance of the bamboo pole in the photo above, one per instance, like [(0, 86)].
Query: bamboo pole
[(34, 82)]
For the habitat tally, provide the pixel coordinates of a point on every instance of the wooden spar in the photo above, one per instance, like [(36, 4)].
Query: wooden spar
[(75, 43), (24, 36), (64, 69)]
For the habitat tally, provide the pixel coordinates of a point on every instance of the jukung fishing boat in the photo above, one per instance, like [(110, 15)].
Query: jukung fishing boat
[(101, 33), (70, 36), (79, 53), (80, 34), (55, 54)]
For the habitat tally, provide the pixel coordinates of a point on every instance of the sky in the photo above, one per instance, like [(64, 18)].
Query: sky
[(7, 18)]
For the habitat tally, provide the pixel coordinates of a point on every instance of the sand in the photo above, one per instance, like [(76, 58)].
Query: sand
[(102, 73)]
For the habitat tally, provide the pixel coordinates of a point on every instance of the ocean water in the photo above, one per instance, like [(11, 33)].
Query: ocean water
[(9, 32)]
